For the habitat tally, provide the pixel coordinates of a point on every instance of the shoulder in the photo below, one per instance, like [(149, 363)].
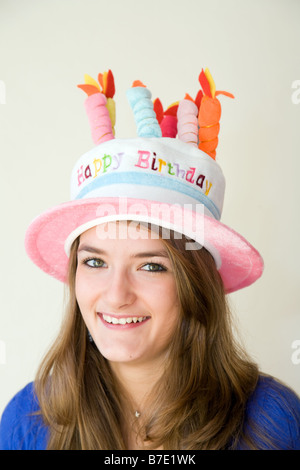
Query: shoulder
[(21, 427), (273, 415)]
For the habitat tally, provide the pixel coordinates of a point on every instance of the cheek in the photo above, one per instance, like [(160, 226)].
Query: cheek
[(171, 296), (85, 292), (78, 288), (165, 302)]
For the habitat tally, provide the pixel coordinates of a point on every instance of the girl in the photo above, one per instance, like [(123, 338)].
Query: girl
[(146, 357)]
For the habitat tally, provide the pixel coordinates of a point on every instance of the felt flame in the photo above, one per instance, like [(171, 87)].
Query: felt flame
[(106, 84), (137, 83), (208, 85)]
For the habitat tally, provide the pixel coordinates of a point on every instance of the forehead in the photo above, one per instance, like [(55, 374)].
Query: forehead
[(129, 232)]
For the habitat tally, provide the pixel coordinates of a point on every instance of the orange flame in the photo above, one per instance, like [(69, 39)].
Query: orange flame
[(106, 82)]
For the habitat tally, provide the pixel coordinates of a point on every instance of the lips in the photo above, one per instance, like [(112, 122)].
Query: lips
[(122, 321)]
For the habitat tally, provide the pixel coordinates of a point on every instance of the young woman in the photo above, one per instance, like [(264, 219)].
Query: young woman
[(146, 357)]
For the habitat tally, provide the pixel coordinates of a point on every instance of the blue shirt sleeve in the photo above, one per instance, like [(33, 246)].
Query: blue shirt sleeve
[(21, 428), (273, 416), (272, 419)]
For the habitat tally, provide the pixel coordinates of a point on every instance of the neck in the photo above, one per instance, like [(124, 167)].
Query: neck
[(137, 383), (137, 380)]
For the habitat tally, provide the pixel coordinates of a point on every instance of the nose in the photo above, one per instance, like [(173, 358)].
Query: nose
[(119, 292)]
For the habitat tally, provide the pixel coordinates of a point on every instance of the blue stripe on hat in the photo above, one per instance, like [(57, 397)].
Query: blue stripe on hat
[(146, 179)]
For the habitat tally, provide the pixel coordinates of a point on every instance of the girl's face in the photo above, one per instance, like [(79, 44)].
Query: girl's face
[(126, 291)]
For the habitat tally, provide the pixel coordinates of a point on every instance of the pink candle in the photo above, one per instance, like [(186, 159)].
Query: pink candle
[(99, 106), (167, 119), (188, 122), (99, 119)]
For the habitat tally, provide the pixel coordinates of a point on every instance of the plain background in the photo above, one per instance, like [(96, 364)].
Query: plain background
[(252, 50)]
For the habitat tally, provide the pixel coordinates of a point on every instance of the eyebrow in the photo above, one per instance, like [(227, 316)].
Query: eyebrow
[(90, 249), (144, 254)]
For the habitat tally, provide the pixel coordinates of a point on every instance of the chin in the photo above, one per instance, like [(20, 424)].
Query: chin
[(113, 355)]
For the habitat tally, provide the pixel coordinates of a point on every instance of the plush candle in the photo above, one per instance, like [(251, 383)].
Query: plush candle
[(167, 119), (139, 98), (99, 119), (100, 106), (209, 114), (188, 121)]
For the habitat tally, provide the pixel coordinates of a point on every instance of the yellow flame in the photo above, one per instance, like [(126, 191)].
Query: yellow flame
[(211, 82), (90, 81), (112, 111)]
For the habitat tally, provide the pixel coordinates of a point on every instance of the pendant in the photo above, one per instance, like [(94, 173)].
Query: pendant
[(137, 414)]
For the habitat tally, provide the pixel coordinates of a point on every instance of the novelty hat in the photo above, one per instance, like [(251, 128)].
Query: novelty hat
[(167, 177)]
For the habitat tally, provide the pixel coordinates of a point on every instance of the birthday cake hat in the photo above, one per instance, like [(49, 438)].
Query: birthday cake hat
[(166, 176)]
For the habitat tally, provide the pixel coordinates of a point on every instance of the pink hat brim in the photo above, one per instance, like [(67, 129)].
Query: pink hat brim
[(241, 264)]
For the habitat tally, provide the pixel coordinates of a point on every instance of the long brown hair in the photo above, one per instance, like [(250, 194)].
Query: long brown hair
[(198, 403)]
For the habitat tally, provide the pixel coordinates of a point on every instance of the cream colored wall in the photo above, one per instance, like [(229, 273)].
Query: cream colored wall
[(251, 49)]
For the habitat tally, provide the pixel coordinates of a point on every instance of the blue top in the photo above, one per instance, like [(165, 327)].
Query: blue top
[(273, 410)]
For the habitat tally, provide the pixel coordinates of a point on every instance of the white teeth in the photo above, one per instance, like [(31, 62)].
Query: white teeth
[(106, 318), (123, 321)]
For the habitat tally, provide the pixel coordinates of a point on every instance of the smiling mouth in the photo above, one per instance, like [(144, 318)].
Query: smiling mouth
[(122, 320)]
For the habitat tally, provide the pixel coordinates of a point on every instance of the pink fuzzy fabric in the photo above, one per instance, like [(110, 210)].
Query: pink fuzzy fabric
[(99, 119), (241, 263)]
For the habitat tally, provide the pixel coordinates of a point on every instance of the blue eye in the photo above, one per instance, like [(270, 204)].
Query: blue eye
[(153, 268), (94, 263)]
